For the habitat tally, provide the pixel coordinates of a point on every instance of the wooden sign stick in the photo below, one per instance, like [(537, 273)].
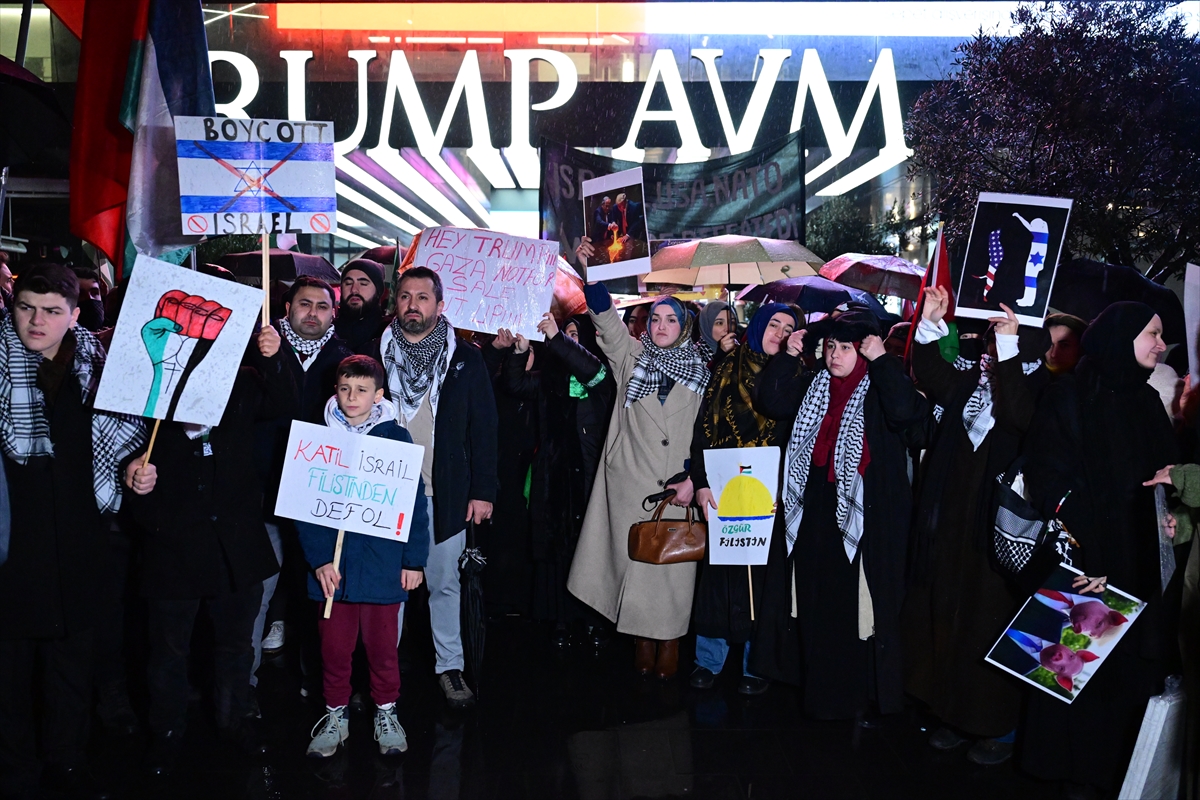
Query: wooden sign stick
[(337, 561), (150, 447), (750, 577), (266, 280)]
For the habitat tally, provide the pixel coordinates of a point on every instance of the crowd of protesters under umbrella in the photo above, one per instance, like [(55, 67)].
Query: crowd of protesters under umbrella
[(880, 592)]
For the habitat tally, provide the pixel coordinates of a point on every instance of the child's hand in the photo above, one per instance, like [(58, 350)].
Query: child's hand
[(329, 578), (410, 579)]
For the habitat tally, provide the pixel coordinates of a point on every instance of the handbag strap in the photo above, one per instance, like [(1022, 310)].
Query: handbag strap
[(658, 512)]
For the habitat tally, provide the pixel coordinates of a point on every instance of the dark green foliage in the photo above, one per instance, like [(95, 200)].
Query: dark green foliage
[(1099, 102)]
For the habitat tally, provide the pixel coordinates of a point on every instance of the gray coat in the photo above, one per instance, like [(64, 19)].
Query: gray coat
[(647, 444)]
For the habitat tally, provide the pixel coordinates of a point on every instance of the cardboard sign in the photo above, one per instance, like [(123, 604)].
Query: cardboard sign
[(1059, 638), (1012, 256), (614, 216), (350, 481), (178, 344), (255, 176), (490, 280), (745, 484)]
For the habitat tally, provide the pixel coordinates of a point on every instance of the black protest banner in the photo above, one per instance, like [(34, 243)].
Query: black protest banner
[(757, 193)]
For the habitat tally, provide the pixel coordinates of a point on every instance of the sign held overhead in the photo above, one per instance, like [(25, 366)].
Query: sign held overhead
[(255, 176)]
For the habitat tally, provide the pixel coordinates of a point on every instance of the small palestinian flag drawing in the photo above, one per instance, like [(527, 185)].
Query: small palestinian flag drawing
[(177, 339)]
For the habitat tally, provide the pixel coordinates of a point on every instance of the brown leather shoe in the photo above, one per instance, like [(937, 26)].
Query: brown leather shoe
[(643, 655), (668, 659)]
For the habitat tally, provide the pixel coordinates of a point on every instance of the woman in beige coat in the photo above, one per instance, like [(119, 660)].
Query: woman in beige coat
[(661, 380)]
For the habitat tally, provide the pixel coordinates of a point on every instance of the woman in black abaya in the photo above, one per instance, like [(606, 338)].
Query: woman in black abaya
[(1098, 434), (843, 537)]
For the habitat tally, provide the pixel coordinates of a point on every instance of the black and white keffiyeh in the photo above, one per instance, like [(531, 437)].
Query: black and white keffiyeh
[(414, 368), (683, 363), (977, 415), (847, 455), (305, 347), (25, 431)]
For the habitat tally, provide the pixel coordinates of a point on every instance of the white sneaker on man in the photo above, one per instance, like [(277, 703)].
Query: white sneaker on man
[(388, 732), (334, 730), (274, 638)]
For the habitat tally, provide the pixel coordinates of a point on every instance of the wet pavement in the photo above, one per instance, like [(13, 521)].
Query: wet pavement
[(566, 724)]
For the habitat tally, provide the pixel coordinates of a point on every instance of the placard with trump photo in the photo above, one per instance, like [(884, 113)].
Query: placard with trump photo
[(614, 214)]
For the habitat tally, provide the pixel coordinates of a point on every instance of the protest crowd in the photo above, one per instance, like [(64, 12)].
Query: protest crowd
[(884, 587)]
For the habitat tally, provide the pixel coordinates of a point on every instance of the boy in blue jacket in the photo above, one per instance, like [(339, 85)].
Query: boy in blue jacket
[(379, 574)]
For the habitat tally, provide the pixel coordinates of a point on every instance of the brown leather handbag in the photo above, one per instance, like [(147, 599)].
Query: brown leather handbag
[(667, 541)]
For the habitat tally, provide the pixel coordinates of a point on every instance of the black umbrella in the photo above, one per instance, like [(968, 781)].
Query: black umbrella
[(474, 623), (1085, 288), (286, 265), (812, 293), (35, 133)]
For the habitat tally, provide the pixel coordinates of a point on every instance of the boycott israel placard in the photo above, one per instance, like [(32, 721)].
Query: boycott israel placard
[(745, 483), (255, 176), (490, 280), (364, 484)]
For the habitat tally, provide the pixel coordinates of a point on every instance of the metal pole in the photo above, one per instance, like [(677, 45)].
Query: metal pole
[(23, 32), (803, 191)]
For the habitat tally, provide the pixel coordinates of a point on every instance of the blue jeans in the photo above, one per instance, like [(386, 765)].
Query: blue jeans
[(711, 654)]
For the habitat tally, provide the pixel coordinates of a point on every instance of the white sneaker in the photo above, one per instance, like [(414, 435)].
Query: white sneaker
[(274, 638), (334, 730), (388, 732)]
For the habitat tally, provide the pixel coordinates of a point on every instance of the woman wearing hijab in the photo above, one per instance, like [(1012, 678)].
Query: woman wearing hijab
[(660, 381), (717, 330), (721, 614), (836, 577), (1097, 435), (574, 393), (957, 602)]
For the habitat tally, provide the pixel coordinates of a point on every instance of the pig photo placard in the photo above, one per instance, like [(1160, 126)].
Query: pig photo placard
[(350, 481), (1059, 638), (1012, 256)]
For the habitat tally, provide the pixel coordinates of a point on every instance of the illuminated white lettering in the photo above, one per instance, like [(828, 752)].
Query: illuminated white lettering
[(742, 139), (247, 74), (521, 154), (680, 112)]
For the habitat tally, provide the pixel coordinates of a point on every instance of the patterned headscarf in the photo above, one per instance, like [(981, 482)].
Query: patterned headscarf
[(682, 361), (25, 431)]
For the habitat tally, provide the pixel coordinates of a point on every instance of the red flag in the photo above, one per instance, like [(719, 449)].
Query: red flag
[(101, 147), (938, 274)]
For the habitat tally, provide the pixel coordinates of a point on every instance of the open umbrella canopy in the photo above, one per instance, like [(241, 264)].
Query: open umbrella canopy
[(286, 265), (35, 133), (731, 259), (384, 254), (752, 272), (1085, 288), (890, 275), (812, 293)]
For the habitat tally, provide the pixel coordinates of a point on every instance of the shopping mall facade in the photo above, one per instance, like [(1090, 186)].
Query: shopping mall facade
[(439, 108)]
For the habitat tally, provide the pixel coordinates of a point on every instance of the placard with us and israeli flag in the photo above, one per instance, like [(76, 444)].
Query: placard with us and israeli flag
[(255, 176), (1012, 256)]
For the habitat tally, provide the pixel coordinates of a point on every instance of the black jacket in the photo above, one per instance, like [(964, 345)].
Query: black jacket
[(58, 550), (312, 388), (894, 416), (464, 455), (202, 525)]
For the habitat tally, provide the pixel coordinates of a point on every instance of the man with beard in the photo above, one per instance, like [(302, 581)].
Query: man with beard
[(360, 317), (311, 350), (443, 395)]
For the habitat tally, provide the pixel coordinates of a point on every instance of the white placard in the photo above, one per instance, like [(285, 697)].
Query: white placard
[(745, 484), (491, 280), (614, 215), (358, 483), (255, 176), (178, 344)]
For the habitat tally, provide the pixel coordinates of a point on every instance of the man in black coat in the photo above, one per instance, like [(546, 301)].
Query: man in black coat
[(62, 462), (443, 395), (204, 543), (310, 352)]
